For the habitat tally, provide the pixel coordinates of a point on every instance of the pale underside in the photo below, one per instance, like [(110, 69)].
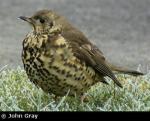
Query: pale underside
[(53, 66)]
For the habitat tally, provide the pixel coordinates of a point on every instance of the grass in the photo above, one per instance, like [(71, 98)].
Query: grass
[(17, 93)]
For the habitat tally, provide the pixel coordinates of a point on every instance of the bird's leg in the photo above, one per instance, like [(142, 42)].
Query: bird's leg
[(55, 97), (114, 91)]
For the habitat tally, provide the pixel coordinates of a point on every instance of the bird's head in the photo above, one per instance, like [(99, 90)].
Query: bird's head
[(42, 21)]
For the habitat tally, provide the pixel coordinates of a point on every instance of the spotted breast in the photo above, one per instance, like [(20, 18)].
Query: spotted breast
[(50, 63)]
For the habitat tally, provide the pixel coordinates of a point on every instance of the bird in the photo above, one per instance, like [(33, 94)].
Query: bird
[(60, 59)]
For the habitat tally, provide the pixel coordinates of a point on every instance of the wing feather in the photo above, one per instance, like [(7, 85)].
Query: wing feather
[(89, 53)]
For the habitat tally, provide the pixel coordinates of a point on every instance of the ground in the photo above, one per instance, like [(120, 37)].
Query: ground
[(17, 93), (120, 28)]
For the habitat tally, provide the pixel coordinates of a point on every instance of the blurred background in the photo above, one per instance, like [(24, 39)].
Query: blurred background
[(120, 28)]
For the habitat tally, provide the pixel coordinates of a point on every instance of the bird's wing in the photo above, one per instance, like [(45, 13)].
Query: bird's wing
[(90, 54)]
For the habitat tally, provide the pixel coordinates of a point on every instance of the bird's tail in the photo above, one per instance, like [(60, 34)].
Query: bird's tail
[(125, 71)]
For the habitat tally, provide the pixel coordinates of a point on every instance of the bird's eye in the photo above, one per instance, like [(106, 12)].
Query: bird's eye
[(42, 20)]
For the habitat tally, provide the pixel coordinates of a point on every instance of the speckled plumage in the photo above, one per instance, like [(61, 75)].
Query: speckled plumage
[(59, 58), (50, 64)]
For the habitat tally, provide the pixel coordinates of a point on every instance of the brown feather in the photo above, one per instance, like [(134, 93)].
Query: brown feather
[(87, 52)]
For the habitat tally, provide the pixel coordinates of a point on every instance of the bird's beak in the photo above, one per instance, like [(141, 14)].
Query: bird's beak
[(29, 20)]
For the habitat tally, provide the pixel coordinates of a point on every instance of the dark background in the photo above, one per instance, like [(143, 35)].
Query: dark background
[(120, 28)]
